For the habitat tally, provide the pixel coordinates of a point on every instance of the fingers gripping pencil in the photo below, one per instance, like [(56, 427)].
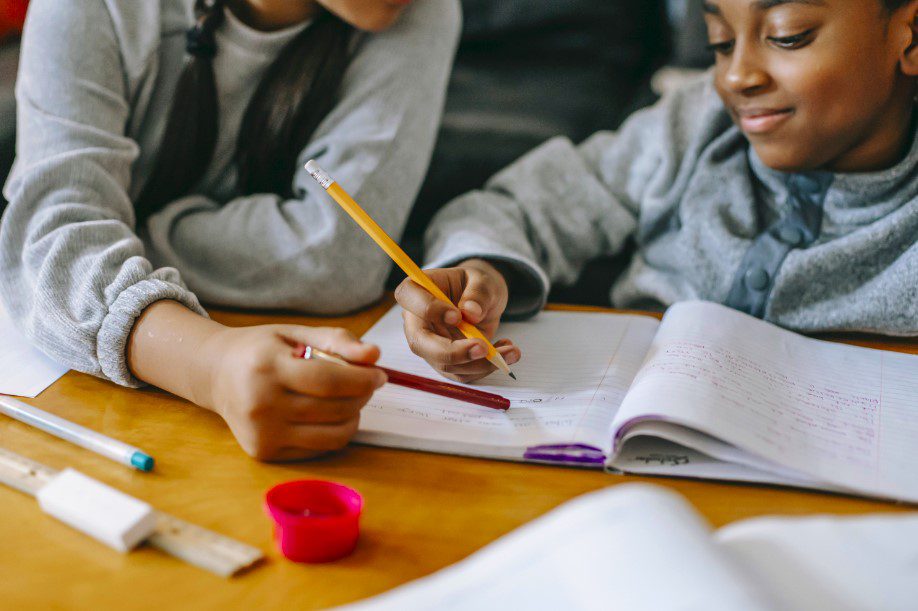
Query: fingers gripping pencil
[(398, 255)]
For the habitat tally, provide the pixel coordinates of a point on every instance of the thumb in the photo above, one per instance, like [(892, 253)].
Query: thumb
[(481, 297)]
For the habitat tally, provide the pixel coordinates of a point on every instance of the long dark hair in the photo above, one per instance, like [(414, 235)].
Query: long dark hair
[(296, 92)]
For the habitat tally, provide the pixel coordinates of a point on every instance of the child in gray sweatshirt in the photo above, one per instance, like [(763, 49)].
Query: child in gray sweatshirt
[(158, 164), (784, 183)]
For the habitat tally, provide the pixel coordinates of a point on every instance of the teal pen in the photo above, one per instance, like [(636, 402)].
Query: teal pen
[(76, 434)]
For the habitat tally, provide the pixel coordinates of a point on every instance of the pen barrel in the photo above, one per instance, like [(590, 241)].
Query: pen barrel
[(69, 431), (445, 389), (408, 380)]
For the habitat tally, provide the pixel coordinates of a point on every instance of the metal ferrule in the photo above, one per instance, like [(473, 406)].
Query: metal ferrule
[(319, 174)]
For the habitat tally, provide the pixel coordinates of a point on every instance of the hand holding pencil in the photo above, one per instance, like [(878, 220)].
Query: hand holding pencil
[(463, 360), (481, 294)]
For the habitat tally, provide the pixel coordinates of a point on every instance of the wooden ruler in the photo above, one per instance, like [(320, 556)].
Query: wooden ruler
[(193, 544)]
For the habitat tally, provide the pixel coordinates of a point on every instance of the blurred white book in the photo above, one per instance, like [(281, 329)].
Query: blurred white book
[(637, 547)]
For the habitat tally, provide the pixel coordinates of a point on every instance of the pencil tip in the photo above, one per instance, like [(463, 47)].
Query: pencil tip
[(511, 375)]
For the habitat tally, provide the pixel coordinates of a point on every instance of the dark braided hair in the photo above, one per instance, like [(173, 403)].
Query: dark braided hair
[(296, 92)]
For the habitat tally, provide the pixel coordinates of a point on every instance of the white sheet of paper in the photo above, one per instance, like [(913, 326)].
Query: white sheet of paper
[(641, 547), (841, 414), (575, 369), (631, 546), (827, 562), (24, 370)]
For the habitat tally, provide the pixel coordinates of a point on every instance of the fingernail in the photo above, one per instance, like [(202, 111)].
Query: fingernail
[(472, 309), (477, 352), (452, 317)]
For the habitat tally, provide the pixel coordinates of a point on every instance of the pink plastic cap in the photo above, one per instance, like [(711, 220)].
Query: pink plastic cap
[(314, 520)]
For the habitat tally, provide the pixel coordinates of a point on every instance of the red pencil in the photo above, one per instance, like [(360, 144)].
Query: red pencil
[(437, 387)]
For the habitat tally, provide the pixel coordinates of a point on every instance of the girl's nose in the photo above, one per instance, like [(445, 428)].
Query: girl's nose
[(745, 74)]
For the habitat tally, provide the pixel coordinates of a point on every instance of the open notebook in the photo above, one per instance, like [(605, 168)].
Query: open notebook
[(640, 547), (708, 392)]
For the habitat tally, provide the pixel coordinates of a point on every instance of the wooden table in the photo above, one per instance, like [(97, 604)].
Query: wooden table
[(423, 511)]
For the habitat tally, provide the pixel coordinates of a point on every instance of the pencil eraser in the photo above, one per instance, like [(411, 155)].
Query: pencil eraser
[(316, 171), (111, 516)]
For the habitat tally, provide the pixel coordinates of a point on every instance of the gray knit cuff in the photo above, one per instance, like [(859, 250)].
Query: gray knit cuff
[(111, 344)]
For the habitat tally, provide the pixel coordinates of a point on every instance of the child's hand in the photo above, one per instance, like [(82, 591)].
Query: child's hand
[(280, 406), (480, 291)]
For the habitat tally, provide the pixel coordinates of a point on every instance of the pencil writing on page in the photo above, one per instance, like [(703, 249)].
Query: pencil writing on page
[(395, 252)]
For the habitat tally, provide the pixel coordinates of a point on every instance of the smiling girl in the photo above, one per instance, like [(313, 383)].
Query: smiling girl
[(783, 184), (159, 163)]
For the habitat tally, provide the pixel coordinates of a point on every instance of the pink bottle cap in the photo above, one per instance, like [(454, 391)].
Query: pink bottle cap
[(314, 520)]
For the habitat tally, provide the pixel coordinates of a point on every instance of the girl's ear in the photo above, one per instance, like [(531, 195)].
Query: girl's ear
[(909, 61)]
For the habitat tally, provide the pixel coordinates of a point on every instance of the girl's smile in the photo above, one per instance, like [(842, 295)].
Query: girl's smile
[(761, 121)]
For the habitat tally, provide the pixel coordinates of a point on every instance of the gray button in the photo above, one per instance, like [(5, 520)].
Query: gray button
[(757, 279), (791, 235), (809, 185)]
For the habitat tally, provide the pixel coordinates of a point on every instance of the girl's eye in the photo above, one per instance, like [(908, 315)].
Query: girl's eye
[(792, 42), (721, 48)]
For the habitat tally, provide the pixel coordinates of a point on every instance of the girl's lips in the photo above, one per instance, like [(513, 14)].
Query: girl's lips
[(762, 121)]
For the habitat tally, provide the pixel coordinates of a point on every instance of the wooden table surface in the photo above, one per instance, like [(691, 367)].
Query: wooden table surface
[(422, 513)]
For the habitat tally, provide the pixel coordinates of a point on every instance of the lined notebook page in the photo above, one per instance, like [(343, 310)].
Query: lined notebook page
[(845, 415), (575, 369)]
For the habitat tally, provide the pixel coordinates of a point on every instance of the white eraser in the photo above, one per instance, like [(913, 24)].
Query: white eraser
[(316, 171), (114, 518)]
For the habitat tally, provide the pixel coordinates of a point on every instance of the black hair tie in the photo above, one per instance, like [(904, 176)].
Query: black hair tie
[(199, 40)]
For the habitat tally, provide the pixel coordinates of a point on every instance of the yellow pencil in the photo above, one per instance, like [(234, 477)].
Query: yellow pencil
[(398, 255)]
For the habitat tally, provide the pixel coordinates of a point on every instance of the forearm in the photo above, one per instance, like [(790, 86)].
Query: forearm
[(169, 348), (279, 406), (261, 251)]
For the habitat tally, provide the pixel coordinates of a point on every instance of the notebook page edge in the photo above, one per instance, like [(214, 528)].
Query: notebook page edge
[(633, 411)]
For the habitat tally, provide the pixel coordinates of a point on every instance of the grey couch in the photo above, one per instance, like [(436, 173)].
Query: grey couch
[(527, 70)]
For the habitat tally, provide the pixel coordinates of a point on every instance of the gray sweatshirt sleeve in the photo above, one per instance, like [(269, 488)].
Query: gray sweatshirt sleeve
[(306, 253), (72, 272), (557, 207)]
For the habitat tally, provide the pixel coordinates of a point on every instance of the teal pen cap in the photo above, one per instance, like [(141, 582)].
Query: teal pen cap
[(142, 461)]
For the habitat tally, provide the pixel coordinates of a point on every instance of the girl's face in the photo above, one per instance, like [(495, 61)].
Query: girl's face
[(367, 15), (817, 84)]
